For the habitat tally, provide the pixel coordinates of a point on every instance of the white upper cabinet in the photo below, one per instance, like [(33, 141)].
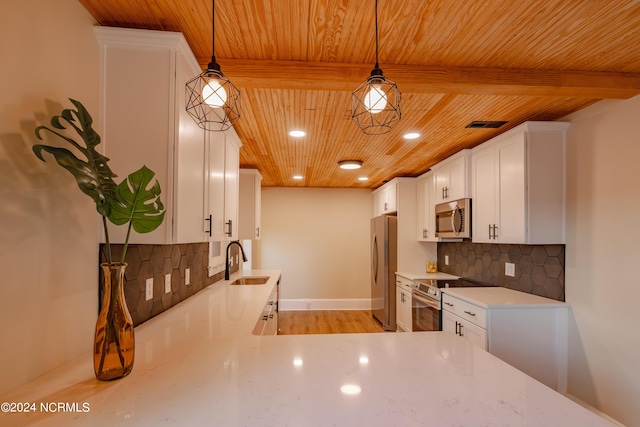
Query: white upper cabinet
[(385, 199), (144, 122), (222, 151), (249, 213), (519, 186), (451, 177), (425, 200)]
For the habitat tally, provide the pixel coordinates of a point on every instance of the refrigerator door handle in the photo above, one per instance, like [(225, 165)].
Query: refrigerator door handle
[(374, 259)]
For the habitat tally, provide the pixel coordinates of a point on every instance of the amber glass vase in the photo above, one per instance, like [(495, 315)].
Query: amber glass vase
[(114, 344)]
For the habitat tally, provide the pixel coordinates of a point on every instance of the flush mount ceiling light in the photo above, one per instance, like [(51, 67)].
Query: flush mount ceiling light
[(411, 135), (376, 102), (350, 164), (297, 133), (297, 177), (212, 100)]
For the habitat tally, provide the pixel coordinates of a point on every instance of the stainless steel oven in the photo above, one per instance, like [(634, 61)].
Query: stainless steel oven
[(426, 301), (425, 313)]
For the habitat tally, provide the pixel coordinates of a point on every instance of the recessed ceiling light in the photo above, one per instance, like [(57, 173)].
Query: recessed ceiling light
[(411, 135), (351, 389), (363, 178), (350, 164), (297, 177), (297, 133)]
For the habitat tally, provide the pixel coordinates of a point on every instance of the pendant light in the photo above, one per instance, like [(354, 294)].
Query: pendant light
[(212, 100), (376, 102)]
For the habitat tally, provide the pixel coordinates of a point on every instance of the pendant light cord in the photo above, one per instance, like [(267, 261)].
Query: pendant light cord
[(213, 23), (377, 35)]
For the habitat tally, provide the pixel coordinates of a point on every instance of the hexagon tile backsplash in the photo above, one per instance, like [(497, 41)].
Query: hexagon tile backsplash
[(155, 261), (539, 269)]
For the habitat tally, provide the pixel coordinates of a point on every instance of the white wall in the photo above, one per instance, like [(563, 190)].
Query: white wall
[(602, 257), (49, 229), (319, 237)]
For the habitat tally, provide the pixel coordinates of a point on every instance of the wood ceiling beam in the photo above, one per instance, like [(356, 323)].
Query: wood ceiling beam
[(269, 74)]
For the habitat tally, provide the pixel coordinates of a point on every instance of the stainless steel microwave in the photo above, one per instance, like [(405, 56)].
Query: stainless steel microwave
[(453, 219)]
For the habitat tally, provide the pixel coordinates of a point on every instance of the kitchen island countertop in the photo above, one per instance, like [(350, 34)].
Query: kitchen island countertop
[(199, 365)]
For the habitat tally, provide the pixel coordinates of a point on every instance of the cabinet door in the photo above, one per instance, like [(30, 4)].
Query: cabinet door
[(426, 221), (511, 183), (421, 204), (457, 187), (249, 205), (484, 195), (231, 190), (214, 216), (441, 179), (190, 170), (400, 316), (391, 198), (464, 329)]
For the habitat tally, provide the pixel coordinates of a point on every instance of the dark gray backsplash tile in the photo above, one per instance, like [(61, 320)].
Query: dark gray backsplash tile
[(539, 268), (155, 261)]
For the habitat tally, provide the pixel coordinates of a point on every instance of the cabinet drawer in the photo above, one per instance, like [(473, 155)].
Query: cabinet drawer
[(403, 283), (470, 312)]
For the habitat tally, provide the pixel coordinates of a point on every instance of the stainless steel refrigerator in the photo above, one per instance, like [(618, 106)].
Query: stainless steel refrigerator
[(384, 261)]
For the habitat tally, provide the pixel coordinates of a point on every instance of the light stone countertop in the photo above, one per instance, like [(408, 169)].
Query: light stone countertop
[(198, 364), (429, 276), (500, 297)]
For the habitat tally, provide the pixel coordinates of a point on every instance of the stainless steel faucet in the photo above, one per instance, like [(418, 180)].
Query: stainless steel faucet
[(226, 261)]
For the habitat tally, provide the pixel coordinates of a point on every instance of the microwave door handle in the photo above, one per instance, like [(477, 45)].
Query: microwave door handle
[(453, 220)]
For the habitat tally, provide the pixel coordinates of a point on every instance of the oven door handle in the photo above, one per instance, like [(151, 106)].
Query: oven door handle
[(427, 301)]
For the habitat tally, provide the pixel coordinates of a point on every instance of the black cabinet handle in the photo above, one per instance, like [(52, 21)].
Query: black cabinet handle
[(230, 224), (210, 230)]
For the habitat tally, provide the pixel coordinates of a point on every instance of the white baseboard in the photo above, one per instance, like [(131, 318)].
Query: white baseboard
[(324, 304)]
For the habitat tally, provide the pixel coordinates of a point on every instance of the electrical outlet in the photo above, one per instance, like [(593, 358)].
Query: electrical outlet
[(167, 283), (237, 259), (446, 260), (187, 277), (509, 269), (149, 289)]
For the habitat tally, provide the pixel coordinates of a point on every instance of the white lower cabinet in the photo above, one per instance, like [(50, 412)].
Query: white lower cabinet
[(403, 304), (267, 324), (526, 331), (465, 329)]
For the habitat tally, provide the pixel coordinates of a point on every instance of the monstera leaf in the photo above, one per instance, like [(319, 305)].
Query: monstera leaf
[(133, 201), (93, 175), (138, 203)]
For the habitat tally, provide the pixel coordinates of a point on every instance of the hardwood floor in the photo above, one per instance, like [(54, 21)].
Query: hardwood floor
[(327, 322)]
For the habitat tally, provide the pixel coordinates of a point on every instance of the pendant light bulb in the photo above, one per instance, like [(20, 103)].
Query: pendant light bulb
[(213, 94), (375, 100)]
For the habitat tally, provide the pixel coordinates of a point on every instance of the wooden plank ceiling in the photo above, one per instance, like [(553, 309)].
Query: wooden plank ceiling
[(455, 61)]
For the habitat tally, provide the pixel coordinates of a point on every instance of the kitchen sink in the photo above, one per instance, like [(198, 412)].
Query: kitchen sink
[(251, 280)]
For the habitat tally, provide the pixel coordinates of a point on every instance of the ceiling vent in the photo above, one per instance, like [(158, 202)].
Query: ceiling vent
[(485, 124)]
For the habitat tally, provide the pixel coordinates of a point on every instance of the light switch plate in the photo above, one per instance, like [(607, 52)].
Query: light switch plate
[(167, 283), (446, 260), (149, 289), (509, 269), (187, 277)]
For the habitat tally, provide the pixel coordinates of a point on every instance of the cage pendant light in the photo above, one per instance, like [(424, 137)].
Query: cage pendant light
[(376, 102), (212, 100)]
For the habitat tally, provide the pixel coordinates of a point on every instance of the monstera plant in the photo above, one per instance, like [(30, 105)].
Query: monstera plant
[(132, 201), (135, 201)]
